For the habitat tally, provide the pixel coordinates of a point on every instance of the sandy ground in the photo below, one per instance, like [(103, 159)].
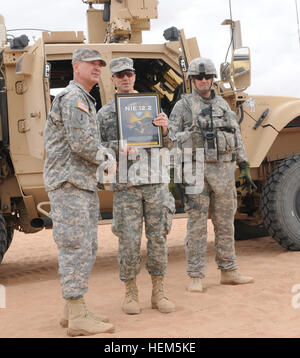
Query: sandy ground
[(267, 308)]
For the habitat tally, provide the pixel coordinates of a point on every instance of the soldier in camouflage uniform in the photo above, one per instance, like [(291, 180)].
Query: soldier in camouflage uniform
[(72, 143), (135, 201), (213, 126)]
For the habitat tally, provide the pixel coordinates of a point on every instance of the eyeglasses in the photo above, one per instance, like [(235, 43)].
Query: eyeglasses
[(122, 74), (202, 75)]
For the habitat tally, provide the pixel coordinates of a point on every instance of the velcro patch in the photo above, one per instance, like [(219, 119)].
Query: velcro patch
[(83, 107)]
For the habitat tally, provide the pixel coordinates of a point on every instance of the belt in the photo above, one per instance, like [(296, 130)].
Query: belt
[(227, 129)]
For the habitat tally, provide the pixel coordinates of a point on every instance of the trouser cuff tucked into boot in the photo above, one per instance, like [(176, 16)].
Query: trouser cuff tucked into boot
[(131, 302), (158, 299)]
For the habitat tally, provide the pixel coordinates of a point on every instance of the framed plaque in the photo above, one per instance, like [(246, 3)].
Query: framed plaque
[(136, 112)]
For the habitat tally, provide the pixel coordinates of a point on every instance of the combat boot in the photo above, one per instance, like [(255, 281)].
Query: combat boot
[(81, 323), (64, 321), (158, 299), (131, 302), (195, 285), (234, 278)]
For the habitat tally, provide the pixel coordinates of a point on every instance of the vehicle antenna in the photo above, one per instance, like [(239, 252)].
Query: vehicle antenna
[(230, 10), (231, 40), (297, 13)]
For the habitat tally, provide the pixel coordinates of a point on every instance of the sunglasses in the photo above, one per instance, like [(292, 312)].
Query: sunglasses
[(122, 74), (201, 76)]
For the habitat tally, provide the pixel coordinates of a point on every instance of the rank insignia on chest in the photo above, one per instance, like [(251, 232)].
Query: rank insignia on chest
[(83, 107)]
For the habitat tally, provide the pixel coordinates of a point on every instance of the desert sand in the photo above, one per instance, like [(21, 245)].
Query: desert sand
[(267, 308)]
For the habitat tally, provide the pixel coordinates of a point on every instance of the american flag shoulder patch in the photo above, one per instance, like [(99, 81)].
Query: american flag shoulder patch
[(83, 107)]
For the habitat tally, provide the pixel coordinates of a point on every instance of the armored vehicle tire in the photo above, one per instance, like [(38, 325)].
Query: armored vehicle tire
[(280, 203), (6, 235), (245, 231)]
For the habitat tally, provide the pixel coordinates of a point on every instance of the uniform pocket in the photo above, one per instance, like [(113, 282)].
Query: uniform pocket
[(116, 226), (69, 229), (80, 119), (226, 143), (169, 211), (192, 203), (117, 222)]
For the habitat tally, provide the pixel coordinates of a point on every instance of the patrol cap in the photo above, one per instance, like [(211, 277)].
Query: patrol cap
[(86, 55), (120, 64)]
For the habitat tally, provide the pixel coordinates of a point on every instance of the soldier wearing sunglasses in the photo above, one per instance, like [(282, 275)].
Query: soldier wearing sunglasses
[(135, 203), (212, 126)]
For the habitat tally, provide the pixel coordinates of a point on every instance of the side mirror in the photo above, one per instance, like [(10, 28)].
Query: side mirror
[(241, 68), (225, 73)]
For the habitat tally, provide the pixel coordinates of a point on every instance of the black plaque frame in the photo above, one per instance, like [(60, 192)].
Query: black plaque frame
[(135, 113)]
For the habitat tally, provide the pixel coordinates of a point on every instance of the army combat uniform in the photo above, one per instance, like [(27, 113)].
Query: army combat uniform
[(72, 142), (132, 202), (137, 197), (200, 116)]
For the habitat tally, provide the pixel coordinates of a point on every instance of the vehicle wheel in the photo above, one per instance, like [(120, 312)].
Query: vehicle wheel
[(6, 235), (280, 203), (245, 231)]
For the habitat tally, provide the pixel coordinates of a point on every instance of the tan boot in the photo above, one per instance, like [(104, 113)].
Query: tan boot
[(234, 278), (159, 301), (81, 323), (195, 285), (64, 321), (131, 302)]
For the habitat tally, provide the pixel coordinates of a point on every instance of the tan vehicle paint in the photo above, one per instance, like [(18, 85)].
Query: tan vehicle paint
[(30, 73)]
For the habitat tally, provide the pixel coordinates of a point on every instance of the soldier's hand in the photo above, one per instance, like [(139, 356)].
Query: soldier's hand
[(112, 167), (128, 150), (245, 174), (161, 121)]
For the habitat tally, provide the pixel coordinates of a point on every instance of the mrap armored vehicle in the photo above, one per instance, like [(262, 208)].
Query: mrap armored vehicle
[(30, 73)]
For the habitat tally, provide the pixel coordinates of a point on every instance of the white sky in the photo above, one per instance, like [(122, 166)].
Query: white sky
[(269, 28)]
